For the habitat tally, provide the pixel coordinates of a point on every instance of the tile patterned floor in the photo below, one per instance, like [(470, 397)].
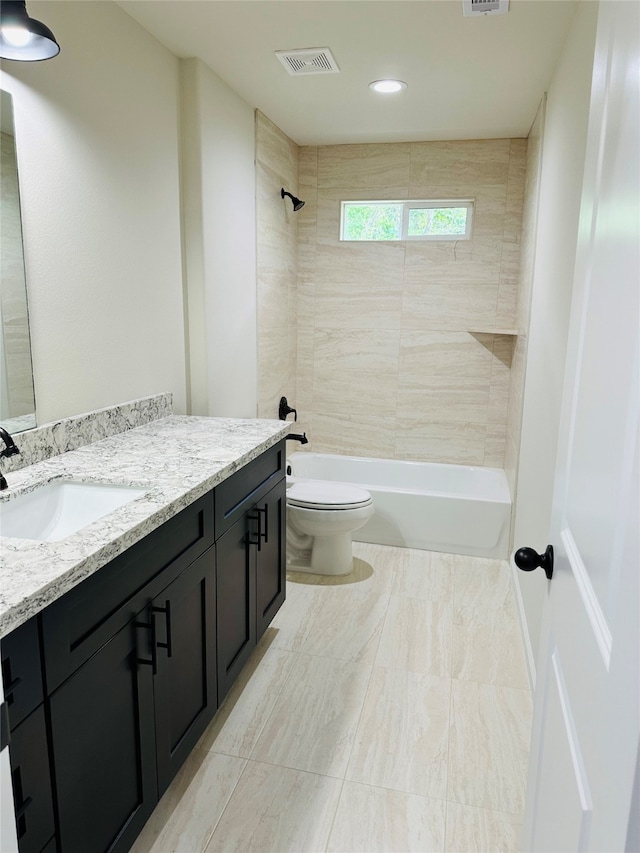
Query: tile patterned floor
[(387, 711)]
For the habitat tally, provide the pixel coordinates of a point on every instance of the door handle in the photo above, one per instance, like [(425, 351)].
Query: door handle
[(167, 612), (527, 559), (150, 626), (262, 534)]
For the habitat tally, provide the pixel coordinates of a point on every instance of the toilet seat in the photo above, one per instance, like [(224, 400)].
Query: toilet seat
[(324, 494)]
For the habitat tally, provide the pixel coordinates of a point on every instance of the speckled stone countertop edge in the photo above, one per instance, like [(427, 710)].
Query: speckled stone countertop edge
[(179, 459)]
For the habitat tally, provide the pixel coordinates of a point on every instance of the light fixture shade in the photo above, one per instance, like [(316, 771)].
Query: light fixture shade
[(23, 38), (388, 86)]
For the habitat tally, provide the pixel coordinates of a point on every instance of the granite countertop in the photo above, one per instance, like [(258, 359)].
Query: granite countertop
[(176, 459)]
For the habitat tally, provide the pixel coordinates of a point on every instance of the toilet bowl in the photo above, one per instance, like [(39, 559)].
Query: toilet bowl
[(321, 516)]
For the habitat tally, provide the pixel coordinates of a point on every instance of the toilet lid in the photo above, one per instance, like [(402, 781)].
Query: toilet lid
[(324, 493)]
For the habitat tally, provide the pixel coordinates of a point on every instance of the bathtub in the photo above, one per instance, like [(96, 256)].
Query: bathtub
[(457, 509)]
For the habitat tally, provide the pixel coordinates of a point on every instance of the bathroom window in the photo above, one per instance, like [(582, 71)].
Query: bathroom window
[(406, 220)]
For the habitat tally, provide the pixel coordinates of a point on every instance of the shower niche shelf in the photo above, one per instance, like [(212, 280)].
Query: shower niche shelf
[(487, 331)]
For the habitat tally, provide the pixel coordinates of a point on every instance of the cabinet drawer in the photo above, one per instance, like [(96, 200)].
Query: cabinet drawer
[(235, 495), (22, 671), (83, 620)]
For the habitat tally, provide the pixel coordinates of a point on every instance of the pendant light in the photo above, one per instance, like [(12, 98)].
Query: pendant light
[(23, 38)]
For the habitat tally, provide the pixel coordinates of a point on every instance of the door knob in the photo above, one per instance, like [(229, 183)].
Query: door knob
[(527, 559)]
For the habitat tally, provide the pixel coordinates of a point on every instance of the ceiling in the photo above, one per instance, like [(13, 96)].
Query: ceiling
[(468, 78)]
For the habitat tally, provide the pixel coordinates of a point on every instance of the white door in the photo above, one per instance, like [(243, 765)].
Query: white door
[(586, 713)]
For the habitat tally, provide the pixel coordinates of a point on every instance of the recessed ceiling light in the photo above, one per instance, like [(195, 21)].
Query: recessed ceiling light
[(387, 85)]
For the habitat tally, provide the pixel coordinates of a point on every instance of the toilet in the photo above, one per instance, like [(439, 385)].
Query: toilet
[(321, 515)]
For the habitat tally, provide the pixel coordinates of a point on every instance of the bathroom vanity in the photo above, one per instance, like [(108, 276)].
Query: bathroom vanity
[(119, 663)]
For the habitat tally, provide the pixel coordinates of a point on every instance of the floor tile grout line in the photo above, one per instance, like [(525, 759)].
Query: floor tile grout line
[(226, 805), (335, 814), (366, 693), (292, 669)]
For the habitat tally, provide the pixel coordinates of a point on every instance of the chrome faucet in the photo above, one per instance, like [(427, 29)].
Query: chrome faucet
[(10, 449)]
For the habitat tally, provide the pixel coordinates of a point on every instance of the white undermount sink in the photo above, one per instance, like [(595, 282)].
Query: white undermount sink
[(62, 507)]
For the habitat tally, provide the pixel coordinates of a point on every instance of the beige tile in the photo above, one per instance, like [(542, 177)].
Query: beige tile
[(377, 820), (487, 647), (375, 265), (308, 166), (347, 626), (293, 621), (379, 564), (313, 723), (186, 816), (507, 305), (474, 830), (237, 725), (443, 376), (424, 440), (424, 575), (355, 436), (356, 349), (475, 161), (277, 809), (417, 636), (274, 148), (495, 445), (483, 583), (452, 306), (358, 393), (476, 261), (371, 165), (358, 305), (489, 746), (402, 738)]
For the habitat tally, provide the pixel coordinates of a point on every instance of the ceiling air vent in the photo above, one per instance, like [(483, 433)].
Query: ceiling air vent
[(309, 60), (472, 8)]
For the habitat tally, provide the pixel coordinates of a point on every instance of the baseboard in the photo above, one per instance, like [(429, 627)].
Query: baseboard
[(524, 632)]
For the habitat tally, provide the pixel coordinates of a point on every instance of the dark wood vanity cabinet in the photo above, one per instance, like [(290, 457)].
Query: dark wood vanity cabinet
[(251, 566), (115, 682)]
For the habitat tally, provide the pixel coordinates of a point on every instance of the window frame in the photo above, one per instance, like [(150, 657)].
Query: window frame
[(408, 205)]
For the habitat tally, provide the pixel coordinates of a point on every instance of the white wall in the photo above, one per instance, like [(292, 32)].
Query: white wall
[(219, 197), (563, 153), (97, 139)]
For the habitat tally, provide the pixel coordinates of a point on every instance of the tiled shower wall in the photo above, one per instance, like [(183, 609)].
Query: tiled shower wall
[(396, 352), (277, 253)]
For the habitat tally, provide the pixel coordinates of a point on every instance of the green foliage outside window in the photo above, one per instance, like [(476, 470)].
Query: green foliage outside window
[(372, 222), (445, 220), (377, 220)]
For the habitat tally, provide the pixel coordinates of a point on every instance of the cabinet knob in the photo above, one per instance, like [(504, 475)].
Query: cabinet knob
[(527, 559)]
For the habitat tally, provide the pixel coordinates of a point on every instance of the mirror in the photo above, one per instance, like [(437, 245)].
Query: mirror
[(17, 398)]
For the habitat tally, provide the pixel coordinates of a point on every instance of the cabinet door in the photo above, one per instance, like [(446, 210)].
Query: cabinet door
[(185, 685), (103, 744), (236, 602), (271, 558), (31, 783)]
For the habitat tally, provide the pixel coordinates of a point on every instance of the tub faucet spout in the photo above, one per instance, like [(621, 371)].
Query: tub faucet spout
[(294, 436)]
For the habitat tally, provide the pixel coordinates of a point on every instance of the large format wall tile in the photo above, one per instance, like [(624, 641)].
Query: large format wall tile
[(346, 380), (371, 165)]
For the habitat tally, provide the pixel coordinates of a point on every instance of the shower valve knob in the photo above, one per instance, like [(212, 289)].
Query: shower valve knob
[(527, 559)]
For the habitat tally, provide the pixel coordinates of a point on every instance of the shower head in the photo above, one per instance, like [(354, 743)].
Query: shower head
[(297, 204)]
